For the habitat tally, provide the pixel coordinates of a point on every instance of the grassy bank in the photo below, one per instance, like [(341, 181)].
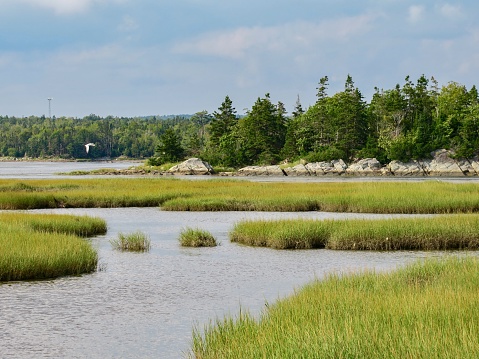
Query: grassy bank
[(459, 231), (236, 195), (427, 310), (34, 246)]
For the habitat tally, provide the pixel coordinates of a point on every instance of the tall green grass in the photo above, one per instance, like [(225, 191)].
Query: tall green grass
[(34, 246), (236, 195), (196, 237), (132, 242), (433, 233), (426, 310)]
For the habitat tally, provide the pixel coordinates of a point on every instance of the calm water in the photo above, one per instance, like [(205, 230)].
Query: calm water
[(145, 305), (20, 169)]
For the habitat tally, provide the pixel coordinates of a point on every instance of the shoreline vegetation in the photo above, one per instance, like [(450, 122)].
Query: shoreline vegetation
[(173, 194), (46, 246), (428, 309)]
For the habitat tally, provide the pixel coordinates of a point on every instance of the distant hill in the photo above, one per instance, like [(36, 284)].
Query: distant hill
[(166, 117)]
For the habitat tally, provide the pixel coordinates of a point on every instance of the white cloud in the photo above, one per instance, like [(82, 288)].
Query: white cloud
[(238, 42), (451, 11), (416, 13), (128, 24), (65, 7)]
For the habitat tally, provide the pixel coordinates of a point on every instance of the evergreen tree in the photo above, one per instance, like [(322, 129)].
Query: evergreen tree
[(223, 121), (348, 120), (169, 149), (298, 109), (262, 132), (322, 87)]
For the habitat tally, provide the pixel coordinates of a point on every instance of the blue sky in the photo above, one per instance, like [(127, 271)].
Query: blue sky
[(155, 57)]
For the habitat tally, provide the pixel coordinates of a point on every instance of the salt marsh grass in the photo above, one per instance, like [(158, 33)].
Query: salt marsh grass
[(459, 231), (132, 242), (237, 195), (427, 310), (195, 237), (35, 246)]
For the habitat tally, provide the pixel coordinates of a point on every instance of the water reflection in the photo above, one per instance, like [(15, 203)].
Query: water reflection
[(145, 305)]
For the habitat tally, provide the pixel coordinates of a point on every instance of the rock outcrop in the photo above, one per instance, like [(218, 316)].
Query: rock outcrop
[(442, 163), (261, 171), (408, 169), (320, 168), (298, 170), (192, 166), (365, 167)]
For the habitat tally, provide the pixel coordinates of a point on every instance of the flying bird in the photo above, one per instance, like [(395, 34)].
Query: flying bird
[(87, 146)]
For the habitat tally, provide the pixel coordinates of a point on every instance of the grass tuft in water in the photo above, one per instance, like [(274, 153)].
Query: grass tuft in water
[(132, 242), (190, 237)]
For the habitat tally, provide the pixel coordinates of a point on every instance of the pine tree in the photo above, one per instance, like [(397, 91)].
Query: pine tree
[(262, 132), (169, 149), (223, 121), (298, 109)]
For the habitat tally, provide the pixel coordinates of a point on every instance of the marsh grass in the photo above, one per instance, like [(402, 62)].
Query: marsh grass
[(196, 237), (132, 242), (427, 310), (238, 195), (431, 233), (41, 246), (282, 234)]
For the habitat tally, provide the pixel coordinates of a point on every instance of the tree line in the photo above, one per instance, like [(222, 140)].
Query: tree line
[(406, 122)]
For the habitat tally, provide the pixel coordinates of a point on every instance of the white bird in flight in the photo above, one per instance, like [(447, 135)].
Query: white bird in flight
[(87, 146)]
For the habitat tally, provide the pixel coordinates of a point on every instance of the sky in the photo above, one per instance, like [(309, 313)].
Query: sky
[(157, 57)]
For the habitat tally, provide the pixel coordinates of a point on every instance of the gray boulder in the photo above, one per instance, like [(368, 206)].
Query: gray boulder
[(468, 167), (475, 164), (442, 165), (335, 167), (298, 170), (365, 167), (192, 166), (339, 166), (261, 171), (319, 168), (413, 168)]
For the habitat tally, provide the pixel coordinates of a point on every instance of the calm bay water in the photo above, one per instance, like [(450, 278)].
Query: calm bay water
[(39, 169), (145, 305)]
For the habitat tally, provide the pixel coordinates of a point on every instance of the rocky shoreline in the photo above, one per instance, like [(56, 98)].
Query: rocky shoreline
[(442, 164)]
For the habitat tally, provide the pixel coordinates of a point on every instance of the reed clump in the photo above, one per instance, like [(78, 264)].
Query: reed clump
[(427, 310), (432, 233), (42, 246), (196, 237), (237, 195), (132, 242)]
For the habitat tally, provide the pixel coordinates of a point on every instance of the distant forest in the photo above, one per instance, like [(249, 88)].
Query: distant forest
[(406, 122)]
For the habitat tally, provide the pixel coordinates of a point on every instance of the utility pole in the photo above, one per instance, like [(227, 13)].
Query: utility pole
[(50, 107)]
